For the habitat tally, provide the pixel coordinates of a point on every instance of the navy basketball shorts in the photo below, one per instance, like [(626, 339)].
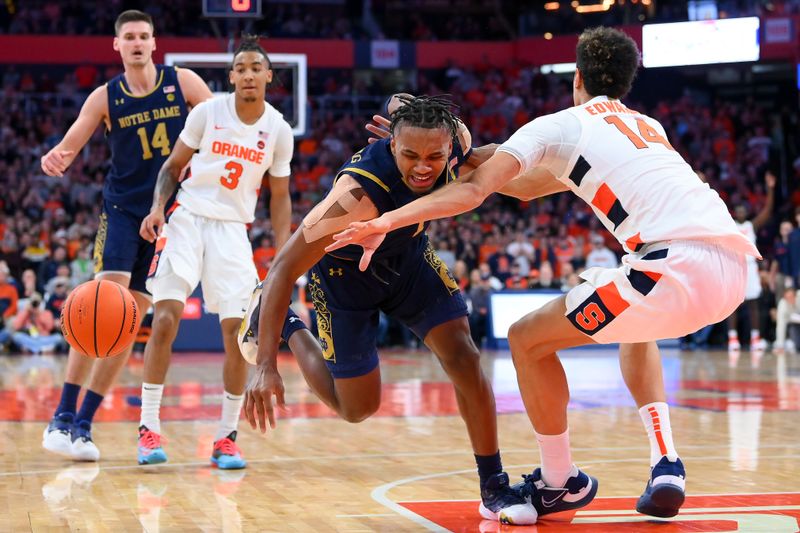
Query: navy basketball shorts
[(119, 248), (417, 289)]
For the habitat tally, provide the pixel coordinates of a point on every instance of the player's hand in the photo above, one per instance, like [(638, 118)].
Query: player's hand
[(379, 127), (151, 225), (369, 235), (770, 180), (265, 383), (54, 162)]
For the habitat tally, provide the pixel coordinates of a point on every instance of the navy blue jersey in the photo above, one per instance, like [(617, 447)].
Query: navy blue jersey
[(374, 168), (143, 130)]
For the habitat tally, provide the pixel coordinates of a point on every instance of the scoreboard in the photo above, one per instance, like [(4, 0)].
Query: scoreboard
[(232, 8)]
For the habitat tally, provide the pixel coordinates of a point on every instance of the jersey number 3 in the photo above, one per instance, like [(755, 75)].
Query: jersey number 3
[(231, 181), (160, 141), (647, 133)]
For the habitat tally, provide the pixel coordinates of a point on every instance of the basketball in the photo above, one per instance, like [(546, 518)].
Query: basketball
[(100, 318)]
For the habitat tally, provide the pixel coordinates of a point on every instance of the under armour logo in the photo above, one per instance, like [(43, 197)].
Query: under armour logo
[(335, 271), (119, 101)]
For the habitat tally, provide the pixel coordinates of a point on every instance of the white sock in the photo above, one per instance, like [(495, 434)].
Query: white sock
[(556, 458), (755, 335), (655, 417), (231, 410), (151, 405), (732, 334)]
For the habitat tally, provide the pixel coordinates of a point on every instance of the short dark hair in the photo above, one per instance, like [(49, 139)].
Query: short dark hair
[(608, 60), (249, 43), (425, 112), (133, 15)]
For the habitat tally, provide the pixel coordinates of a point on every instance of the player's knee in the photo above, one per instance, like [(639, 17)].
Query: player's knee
[(165, 324), (464, 358), (519, 340), (358, 413)]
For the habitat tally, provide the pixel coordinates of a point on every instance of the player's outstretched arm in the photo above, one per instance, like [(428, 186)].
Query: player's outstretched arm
[(766, 212), (167, 182), (347, 202), (535, 183), (94, 111), (453, 199)]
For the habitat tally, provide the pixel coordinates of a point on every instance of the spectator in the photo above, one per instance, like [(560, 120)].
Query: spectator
[(479, 295), (8, 303), (34, 326), (600, 255)]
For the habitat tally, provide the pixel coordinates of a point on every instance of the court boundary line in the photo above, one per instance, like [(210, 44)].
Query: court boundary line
[(379, 493)]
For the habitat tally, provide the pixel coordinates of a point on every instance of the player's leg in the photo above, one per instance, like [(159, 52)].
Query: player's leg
[(57, 437), (534, 340), (641, 368), (104, 374), (427, 300), (173, 275), (117, 249), (157, 355), (453, 345)]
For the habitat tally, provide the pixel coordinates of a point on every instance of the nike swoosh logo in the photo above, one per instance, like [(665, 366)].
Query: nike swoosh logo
[(145, 388), (555, 500), (219, 127)]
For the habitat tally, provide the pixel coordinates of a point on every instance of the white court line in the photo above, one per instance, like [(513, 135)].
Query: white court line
[(379, 493), (367, 456)]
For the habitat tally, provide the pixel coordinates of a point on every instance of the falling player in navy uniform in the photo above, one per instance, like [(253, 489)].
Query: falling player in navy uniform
[(408, 281), (143, 111)]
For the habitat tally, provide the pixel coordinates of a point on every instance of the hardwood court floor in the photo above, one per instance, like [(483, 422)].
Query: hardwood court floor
[(409, 468)]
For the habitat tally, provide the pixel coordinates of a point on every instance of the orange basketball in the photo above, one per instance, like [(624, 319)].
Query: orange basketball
[(100, 318)]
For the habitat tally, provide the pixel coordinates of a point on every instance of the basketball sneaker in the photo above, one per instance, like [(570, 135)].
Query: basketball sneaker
[(577, 492), (664, 493), (226, 454), (501, 503), (57, 437), (82, 447), (150, 450)]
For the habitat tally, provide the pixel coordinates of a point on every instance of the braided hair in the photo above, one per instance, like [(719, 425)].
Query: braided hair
[(425, 112), (249, 43)]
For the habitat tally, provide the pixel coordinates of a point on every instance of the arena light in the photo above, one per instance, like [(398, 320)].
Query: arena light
[(605, 5), (700, 42), (557, 68), (552, 6)]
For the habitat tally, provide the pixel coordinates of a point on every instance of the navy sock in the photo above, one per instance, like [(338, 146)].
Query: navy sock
[(69, 398), (90, 404), (488, 465)]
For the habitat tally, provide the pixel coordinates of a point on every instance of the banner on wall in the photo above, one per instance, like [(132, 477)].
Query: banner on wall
[(385, 54), (778, 30)]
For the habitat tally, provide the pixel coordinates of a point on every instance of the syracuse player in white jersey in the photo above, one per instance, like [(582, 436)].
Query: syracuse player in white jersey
[(685, 267), (238, 139), (753, 290)]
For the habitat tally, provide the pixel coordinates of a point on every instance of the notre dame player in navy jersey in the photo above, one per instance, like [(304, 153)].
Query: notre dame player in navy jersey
[(143, 111), (407, 281)]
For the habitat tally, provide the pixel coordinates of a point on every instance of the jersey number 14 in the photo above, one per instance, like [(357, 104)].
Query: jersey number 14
[(160, 141)]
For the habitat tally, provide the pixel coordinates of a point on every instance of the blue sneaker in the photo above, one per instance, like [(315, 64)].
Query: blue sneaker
[(502, 504), (577, 492), (665, 489), (226, 454), (150, 450), (57, 437)]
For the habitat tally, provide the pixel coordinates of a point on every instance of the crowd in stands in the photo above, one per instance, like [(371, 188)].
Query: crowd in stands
[(47, 225), (418, 20)]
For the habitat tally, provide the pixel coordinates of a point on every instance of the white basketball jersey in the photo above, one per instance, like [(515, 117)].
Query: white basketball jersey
[(232, 159), (747, 229), (620, 163)]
